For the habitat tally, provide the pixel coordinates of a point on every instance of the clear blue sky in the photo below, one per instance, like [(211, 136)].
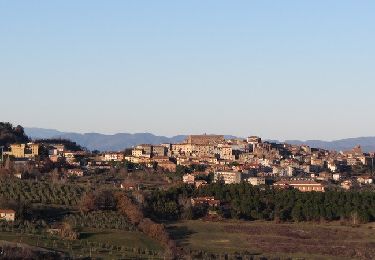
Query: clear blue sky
[(279, 69)]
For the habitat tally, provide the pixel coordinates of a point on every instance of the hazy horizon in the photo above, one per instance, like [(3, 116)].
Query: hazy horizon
[(177, 134), (281, 70)]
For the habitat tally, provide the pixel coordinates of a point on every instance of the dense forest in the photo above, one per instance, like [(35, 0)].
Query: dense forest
[(244, 201), (10, 134)]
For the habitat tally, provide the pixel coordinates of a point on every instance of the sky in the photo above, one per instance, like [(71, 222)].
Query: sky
[(277, 69)]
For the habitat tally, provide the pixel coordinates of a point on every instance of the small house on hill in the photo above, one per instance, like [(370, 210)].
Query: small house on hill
[(7, 215)]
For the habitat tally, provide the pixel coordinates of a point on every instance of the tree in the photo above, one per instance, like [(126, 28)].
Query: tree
[(126, 207), (123, 172), (10, 135), (8, 164), (186, 207), (55, 176), (67, 232), (87, 203), (105, 200), (157, 231), (354, 217)]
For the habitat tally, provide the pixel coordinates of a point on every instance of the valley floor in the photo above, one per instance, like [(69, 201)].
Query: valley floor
[(301, 240), (257, 238)]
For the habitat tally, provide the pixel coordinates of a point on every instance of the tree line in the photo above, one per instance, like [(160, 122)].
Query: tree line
[(244, 201)]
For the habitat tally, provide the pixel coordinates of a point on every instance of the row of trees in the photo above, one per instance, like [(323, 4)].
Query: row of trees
[(41, 192), (249, 202), (24, 226), (171, 204), (134, 213), (98, 200), (100, 219), (85, 249), (244, 201)]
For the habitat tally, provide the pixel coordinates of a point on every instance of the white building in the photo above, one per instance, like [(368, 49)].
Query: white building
[(256, 181), (228, 177), (332, 166), (136, 152), (336, 176), (116, 157), (365, 179), (7, 215), (188, 178)]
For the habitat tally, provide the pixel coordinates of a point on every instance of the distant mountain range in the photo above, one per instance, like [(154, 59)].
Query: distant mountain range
[(367, 143), (103, 142), (117, 142)]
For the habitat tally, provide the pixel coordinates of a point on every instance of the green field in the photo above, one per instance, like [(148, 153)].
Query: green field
[(106, 244), (306, 240), (259, 238), (120, 238)]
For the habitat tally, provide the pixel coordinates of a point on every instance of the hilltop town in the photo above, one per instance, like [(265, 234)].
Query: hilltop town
[(187, 130), (229, 161), (54, 190)]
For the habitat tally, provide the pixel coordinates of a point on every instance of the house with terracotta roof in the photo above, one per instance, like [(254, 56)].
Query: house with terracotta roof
[(346, 184), (7, 215), (301, 185), (128, 186), (256, 181), (200, 183), (188, 178), (75, 172), (209, 200), (113, 157), (228, 177), (160, 159)]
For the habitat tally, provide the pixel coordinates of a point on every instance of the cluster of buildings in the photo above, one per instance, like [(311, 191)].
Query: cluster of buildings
[(279, 164), (29, 150), (191, 179), (26, 154), (196, 149), (230, 161)]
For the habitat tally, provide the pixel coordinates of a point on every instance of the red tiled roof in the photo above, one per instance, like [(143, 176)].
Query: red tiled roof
[(297, 182), (7, 211)]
